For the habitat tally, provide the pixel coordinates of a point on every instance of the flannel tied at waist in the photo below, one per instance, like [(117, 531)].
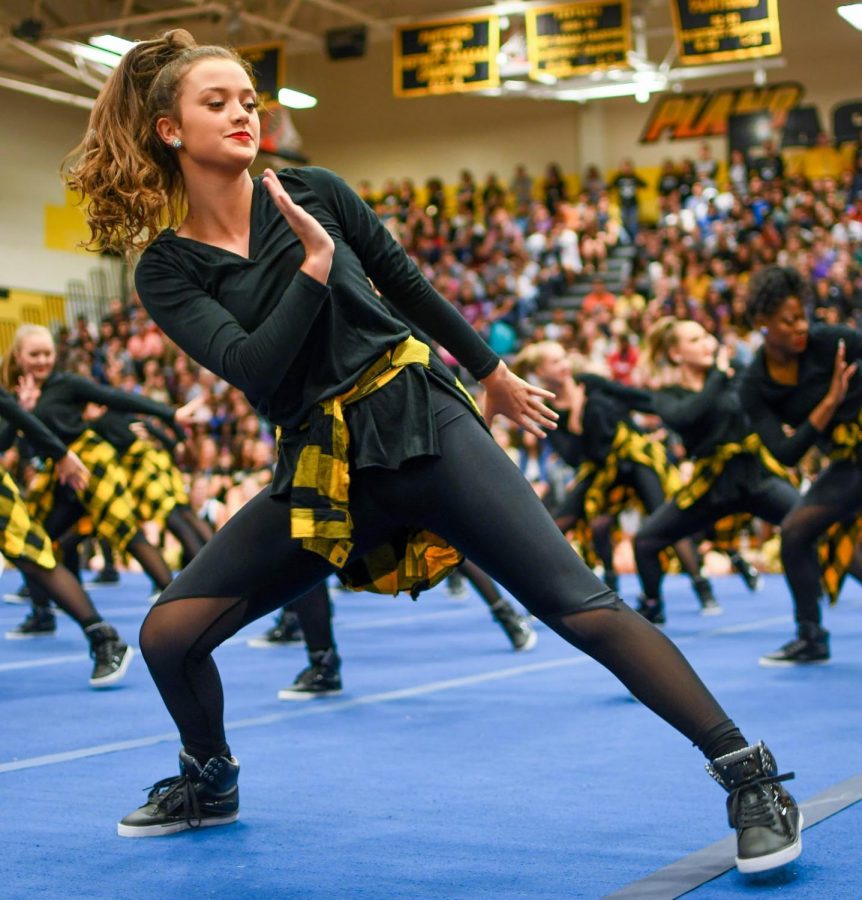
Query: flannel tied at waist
[(707, 469), (604, 494), (319, 497), (838, 545)]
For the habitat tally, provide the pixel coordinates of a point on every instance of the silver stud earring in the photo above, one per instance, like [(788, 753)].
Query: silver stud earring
[(176, 143)]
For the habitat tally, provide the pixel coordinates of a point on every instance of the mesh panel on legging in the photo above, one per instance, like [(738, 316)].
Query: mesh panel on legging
[(836, 495), (60, 585)]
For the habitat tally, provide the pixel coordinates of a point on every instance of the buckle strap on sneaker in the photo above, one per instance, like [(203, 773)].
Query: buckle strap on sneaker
[(756, 812), (164, 793)]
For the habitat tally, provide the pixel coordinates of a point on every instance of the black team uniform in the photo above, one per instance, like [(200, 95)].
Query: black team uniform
[(733, 473), (616, 466), (419, 457), (25, 543), (836, 494)]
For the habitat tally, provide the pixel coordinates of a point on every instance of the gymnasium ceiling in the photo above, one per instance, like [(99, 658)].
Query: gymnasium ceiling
[(812, 33)]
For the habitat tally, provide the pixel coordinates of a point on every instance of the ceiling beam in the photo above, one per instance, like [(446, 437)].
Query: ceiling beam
[(36, 90), (355, 15), (103, 25), (66, 68)]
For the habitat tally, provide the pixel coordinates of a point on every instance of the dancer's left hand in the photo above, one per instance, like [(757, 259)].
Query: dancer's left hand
[(519, 401), (28, 392)]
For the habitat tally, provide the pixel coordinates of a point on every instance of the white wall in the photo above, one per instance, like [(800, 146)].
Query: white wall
[(36, 137)]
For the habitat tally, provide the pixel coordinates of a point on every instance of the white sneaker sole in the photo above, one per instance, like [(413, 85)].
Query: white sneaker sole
[(787, 664), (774, 860), (15, 599), (712, 611), (531, 642), (143, 831), (299, 695), (116, 675), (264, 644), (17, 636)]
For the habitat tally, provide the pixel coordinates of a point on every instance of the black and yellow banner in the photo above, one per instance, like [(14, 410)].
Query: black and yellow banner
[(446, 57), (576, 38), (721, 30), (268, 63)]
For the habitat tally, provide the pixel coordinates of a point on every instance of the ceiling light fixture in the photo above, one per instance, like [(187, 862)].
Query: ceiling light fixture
[(296, 99), (852, 13)]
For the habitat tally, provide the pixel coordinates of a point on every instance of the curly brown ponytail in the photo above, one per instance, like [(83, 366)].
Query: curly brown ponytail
[(130, 180)]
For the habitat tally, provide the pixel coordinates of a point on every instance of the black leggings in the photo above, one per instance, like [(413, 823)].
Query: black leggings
[(770, 498), (473, 496), (835, 496)]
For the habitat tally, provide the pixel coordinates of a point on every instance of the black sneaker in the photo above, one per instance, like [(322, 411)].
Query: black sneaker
[(199, 797), (767, 820), (286, 630), (321, 679), (748, 572), (22, 595), (810, 647), (517, 628), (105, 577), (111, 656), (708, 604), (37, 624), (651, 610)]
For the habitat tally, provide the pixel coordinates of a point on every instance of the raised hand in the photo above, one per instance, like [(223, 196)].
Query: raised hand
[(28, 392), (319, 246), (71, 471), (841, 375), (519, 401)]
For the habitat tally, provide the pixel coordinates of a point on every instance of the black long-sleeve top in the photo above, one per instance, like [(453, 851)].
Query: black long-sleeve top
[(283, 338), (771, 405), (607, 403), (64, 397), (113, 427), (705, 419), (40, 438)]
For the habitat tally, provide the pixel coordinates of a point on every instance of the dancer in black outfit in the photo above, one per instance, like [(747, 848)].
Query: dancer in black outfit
[(25, 544), (804, 378), (615, 463), (733, 472), (59, 400), (266, 282)]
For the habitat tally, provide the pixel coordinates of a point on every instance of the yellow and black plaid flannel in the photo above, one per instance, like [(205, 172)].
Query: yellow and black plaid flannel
[(21, 537), (155, 483), (106, 497)]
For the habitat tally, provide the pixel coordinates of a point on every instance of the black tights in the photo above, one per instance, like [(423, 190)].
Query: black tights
[(60, 585), (769, 498), (472, 496), (835, 496)]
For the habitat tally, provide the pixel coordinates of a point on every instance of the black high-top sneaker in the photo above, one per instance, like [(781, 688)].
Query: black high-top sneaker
[(651, 610), (39, 623), (708, 604), (517, 628), (110, 654), (752, 578), (286, 630), (321, 679), (22, 595), (199, 797), (810, 647), (767, 820)]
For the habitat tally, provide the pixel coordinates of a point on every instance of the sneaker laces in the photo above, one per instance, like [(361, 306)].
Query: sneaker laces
[(163, 793), (758, 812)]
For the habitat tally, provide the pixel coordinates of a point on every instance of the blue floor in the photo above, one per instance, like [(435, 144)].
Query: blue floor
[(450, 767)]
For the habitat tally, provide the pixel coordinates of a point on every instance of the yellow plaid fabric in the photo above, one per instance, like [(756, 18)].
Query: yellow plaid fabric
[(708, 468), (155, 484), (21, 537), (727, 530), (604, 494), (106, 497), (320, 513)]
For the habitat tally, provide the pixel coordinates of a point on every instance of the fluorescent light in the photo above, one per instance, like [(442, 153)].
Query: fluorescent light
[(640, 89), (296, 99), (852, 13), (94, 54), (111, 43)]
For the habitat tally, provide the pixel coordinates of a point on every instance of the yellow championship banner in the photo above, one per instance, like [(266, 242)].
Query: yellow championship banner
[(577, 38), (268, 65), (446, 57), (722, 30)]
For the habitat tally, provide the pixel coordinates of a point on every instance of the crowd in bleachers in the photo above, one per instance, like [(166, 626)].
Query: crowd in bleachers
[(549, 256)]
